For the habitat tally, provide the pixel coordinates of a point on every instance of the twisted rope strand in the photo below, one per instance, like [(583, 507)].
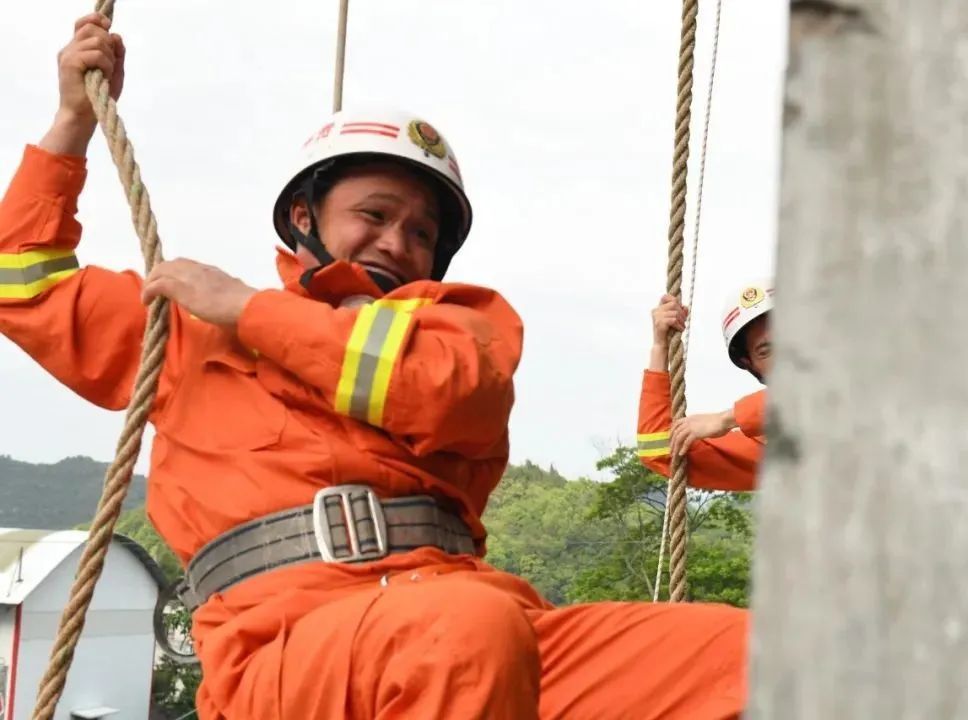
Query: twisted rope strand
[(678, 518), (118, 476), (692, 277)]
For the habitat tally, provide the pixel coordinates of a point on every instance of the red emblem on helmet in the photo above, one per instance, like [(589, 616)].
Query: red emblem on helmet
[(424, 136)]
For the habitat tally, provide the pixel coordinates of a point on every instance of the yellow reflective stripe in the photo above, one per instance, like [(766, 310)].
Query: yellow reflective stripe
[(653, 444), (351, 360), (657, 452), (32, 257), (371, 355), (31, 290), (26, 275)]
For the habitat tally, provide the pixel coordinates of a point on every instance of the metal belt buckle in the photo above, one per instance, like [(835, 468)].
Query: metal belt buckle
[(323, 529)]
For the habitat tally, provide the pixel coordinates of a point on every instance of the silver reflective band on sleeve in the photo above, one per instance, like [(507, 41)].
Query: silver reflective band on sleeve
[(371, 354), (369, 359)]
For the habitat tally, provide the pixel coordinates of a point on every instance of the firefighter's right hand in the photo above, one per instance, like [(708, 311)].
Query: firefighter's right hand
[(93, 46), (669, 315)]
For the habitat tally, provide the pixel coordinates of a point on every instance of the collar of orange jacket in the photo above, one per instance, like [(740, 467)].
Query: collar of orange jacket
[(333, 284)]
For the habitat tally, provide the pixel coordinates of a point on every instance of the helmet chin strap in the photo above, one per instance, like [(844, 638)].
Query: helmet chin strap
[(314, 245)]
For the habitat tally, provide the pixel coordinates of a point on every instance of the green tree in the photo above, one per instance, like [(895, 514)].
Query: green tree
[(632, 505), (537, 528), (134, 524), (174, 686)]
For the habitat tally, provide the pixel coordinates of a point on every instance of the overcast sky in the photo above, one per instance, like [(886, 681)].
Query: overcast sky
[(560, 114)]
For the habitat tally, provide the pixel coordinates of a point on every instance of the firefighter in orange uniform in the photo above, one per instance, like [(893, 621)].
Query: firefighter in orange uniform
[(324, 452), (723, 449)]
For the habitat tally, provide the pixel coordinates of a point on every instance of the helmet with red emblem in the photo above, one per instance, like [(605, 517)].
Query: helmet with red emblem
[(350, 137)]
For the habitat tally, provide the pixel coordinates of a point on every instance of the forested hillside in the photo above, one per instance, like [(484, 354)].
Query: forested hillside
[(57, 495)]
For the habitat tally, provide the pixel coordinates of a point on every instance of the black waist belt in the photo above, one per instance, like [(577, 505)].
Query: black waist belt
[(345, 524)]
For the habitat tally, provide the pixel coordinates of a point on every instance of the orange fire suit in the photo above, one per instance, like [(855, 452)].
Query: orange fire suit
[(257, 421), (724, 463)]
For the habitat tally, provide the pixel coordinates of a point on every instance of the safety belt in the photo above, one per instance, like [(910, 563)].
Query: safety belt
[(345, 524)]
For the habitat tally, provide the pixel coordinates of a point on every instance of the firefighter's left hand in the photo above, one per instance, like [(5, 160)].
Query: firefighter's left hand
[(698, 427), (203, 290)]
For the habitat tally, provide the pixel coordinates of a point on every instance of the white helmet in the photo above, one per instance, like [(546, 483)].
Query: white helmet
[(742, 307), (349, 136)]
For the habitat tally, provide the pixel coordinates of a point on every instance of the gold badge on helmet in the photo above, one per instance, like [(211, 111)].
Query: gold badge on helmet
[(425, 137), (751, 296)]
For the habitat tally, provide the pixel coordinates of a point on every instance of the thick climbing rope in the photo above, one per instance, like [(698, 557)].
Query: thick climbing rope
[(119, 473), (153, 350), (695, 256), (676, 499), (344, 7)]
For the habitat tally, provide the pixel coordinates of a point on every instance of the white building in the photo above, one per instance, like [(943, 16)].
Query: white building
[(112, 667)]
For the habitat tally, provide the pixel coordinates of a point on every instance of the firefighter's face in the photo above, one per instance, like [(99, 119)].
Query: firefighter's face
[(378, 215), (759, 346)]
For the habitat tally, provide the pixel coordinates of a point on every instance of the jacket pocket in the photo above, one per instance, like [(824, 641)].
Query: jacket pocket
[(220, 404)]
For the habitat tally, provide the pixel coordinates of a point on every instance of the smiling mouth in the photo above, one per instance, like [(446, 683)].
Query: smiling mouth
[(386, 272)]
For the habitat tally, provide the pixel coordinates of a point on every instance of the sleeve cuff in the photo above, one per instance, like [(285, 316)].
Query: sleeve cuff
[(275, 323), (261, 324)]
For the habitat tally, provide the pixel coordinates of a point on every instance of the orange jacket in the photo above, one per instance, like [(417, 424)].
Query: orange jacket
[(750, 413), (252, 424), (725, 463)]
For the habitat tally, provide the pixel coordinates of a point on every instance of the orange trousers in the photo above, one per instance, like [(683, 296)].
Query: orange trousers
[(461, 645)]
